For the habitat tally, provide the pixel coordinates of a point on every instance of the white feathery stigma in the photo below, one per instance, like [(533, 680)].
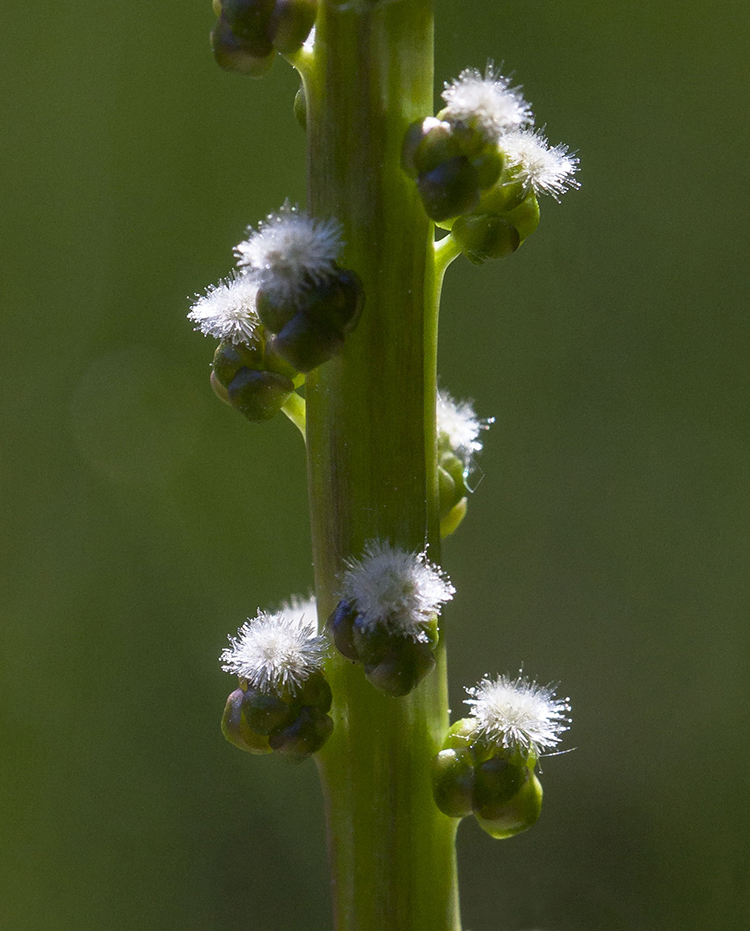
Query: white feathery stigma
[(460, 424), (274, 652), (401, 590), (544, 168), (488, 100), (303, 610), (227, 310), (519, 714), (289, 251)]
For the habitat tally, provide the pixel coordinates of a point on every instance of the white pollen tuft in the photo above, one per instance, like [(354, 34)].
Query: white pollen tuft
[(303, 610), (400, 590), (460, 424), (544, 168), (289, 252), (274, 652), (519, 714), (490, 101), (227, 310)]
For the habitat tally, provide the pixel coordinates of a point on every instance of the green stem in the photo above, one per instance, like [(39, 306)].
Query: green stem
[(372, 459)]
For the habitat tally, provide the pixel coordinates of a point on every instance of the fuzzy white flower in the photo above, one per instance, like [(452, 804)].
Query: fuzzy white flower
[(519, 714), (303, 610), (460, 424), (547, 169), (489, 100), (227, 310), (274, 652), (289, 251), (401, 590)]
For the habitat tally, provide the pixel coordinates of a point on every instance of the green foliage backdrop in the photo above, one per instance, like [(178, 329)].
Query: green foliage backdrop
[(142, 520)]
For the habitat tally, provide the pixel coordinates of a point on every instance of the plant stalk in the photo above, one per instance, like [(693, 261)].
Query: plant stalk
[(372, 458)]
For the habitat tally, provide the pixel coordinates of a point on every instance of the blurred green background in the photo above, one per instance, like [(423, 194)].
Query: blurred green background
[(142, 520)]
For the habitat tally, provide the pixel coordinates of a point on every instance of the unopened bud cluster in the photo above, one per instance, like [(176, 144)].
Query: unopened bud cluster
[(248, 33), (486, 767), (458, 439), (479, 167), (387, 618), (283, 699), (286, 311)]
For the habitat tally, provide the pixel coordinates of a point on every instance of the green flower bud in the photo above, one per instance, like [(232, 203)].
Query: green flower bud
[(233, 54), (341, 626), (438, 145), (450, 190), (525, 217), (300, 107), (336, 302), (219, 390), (259, 395), (229, 358), (452, 520), (518, 814), (316, 692), (403, 667), (275, 311), (454, 466), (489, 165), (290, 23), (372, 642), (461, 735), (236, 729), (447, 495), (249, 20), (265, 712), (304, 736), (483, 237), (498, 780), (453, 782), (305, 344)]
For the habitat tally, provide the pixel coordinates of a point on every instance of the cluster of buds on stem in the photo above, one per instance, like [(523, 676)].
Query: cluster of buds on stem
[(387, 618), (247, 33), (287, 310), (283, 698), (487, 764), (479, 166)]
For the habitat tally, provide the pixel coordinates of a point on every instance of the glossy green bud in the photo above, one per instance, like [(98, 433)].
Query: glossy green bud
[(497, 781), (235, 728), (450, 190), (232, 53), (402, 668), (219, 390), (304, 736), (341, 625), (453, 782), (438, 145), (265, 712), (518, 814), (230, 358), (250, 20), (305, 343), (489, 165), (452, 520), (461, 735), (336, 302), (316, 692), (483, 237), (448, 495), (274, 312), (259, 395), (372, 643), (290, 23), (300, 108), (525, 217)]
